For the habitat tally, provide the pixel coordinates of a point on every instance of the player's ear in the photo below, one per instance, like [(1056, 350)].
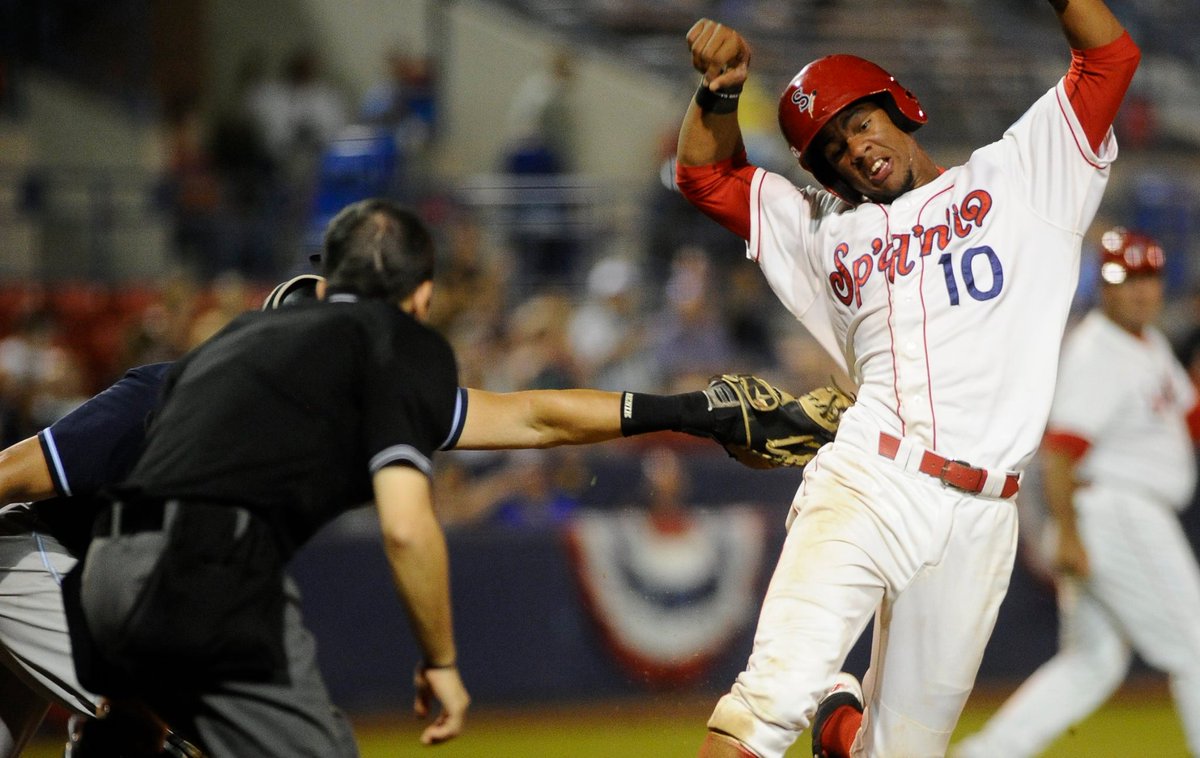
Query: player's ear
[(322, 285), (420, 301)]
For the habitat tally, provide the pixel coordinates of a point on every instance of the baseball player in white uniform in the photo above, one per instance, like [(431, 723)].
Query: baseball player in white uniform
[(1119, 464), (945, 293)]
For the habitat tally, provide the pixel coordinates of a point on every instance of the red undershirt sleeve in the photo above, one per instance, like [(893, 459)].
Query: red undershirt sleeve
[(1071, 445), (721, 191), (1193, 422), (1096, 84)]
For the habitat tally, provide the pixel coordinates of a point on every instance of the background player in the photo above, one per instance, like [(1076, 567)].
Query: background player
[(945, 292), (1119, 463)]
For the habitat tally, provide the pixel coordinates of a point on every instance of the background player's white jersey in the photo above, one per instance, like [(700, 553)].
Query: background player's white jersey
[(949, 311), (1129, 397)]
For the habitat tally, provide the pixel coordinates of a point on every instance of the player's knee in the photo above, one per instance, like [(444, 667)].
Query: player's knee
[(1110, 660), (1100, 666)]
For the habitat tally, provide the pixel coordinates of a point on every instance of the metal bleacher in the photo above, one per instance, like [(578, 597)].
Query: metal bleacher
[(973, 65)]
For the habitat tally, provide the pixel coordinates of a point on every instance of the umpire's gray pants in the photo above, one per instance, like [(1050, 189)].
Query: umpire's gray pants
[(294, 720), (234, 719)]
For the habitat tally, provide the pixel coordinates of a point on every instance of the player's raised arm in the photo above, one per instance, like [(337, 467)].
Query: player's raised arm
[(710, 130), (1087, 23), (1103, 61)]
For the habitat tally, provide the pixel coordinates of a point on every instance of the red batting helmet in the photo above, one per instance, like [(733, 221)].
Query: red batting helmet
[(822, 89), (1124, 254)]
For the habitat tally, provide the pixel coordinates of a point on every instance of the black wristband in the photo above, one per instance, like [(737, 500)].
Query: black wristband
[(427, 665), (641, 414), (724, 100)]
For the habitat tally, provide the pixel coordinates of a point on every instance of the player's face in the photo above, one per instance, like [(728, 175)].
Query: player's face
[(1135, 303), (873, 155)]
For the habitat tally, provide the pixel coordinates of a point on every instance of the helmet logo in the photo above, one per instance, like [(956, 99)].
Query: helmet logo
[(805, 100)]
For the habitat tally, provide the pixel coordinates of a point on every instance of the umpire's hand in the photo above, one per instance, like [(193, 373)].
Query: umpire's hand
[(444, 686)]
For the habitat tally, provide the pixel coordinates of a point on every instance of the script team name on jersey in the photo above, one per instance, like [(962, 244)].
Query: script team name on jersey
[(896, 259)]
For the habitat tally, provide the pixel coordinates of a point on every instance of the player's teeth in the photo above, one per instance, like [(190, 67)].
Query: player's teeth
[(877, 165)]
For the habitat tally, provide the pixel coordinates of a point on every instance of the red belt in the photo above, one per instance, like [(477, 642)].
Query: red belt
[(957, 474)]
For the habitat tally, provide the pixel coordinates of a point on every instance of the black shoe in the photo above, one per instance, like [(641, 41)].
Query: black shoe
[(120, 737), (845, 691)]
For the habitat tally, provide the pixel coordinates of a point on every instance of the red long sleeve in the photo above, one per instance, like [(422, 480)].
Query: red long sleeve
[(1097, 81), (721, 190)]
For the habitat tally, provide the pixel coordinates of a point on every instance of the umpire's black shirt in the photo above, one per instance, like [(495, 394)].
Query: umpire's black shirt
[(291, 412)]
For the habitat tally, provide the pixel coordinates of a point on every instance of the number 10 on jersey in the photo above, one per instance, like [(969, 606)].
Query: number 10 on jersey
[(969, 266)]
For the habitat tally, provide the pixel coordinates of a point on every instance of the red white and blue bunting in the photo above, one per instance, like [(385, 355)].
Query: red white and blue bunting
[(669, 595)]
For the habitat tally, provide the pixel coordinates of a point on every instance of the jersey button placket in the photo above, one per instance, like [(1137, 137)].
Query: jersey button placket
[(911, 371)]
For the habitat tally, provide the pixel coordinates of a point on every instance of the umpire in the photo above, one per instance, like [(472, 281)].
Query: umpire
[(265, 433)]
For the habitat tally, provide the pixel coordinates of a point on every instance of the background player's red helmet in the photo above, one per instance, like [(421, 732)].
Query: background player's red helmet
[(1124, 254), (822, 89)]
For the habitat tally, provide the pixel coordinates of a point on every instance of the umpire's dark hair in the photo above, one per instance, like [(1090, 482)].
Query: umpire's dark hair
[(377, 248)]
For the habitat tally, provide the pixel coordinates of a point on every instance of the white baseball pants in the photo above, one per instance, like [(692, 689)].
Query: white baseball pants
[(932, 563)]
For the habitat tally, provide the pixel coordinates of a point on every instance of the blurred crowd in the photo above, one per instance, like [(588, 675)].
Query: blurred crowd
[(527, 300), (625, 326), (528, 305), (248, 179)]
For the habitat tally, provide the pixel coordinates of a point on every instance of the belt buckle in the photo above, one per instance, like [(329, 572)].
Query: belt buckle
[(944, 473)]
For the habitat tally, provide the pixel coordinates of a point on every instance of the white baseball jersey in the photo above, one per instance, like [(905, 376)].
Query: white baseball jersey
[(948, 305), (1128, 397)]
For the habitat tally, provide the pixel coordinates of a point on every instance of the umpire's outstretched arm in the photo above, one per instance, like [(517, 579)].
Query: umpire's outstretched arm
[(539, 418)]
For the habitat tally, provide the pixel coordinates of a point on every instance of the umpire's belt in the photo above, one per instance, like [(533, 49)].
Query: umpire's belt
[(131, 518), (957, 474)]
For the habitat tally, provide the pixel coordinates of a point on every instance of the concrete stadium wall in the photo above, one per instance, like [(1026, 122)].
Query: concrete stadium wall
[(93, 159), (484, 52), (524, 634)]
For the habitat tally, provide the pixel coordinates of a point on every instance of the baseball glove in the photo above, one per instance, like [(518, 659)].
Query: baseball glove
[(765, 427)]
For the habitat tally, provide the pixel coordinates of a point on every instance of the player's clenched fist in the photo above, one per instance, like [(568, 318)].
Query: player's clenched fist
[(720, 53)]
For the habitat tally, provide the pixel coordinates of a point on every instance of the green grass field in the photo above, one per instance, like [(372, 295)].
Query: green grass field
[(1137, 722)]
